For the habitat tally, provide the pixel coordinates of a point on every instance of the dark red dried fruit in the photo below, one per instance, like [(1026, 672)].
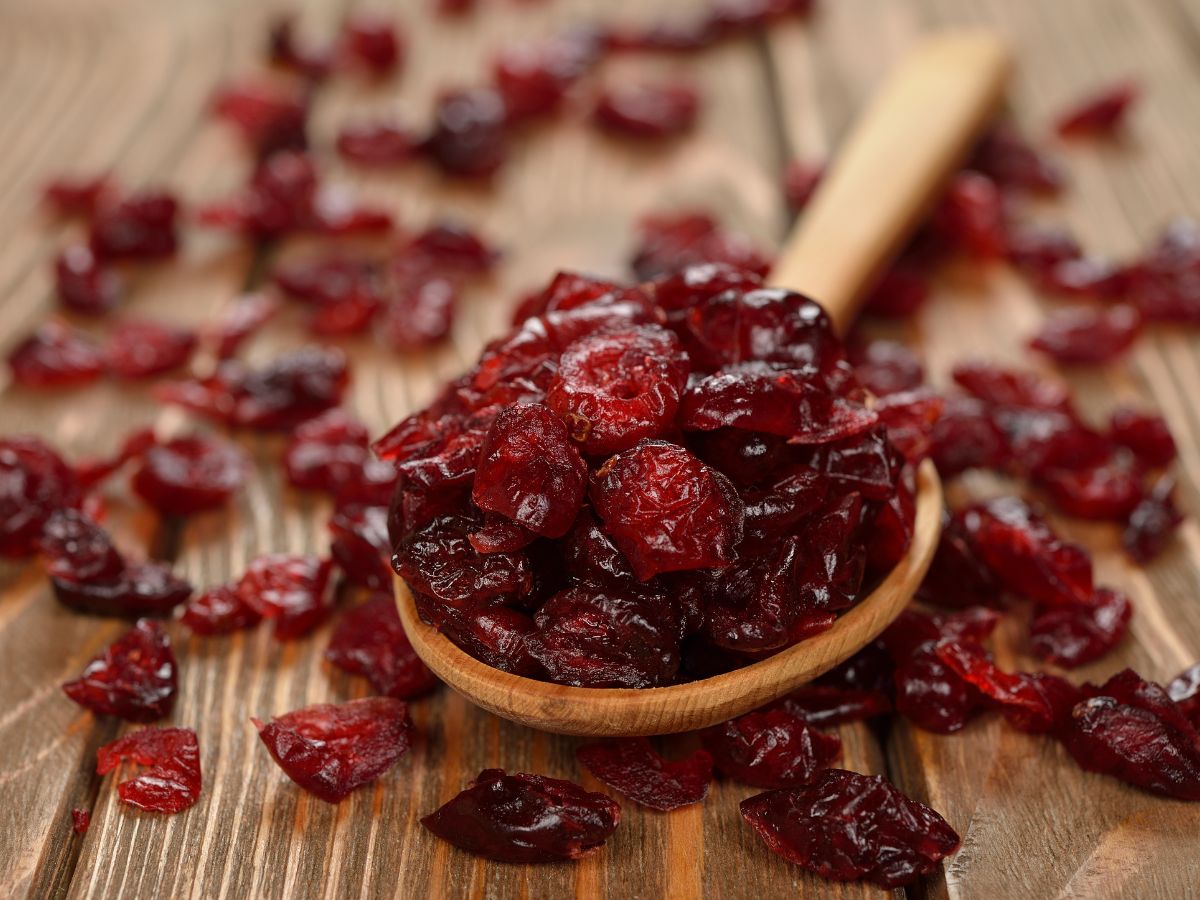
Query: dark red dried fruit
[(187, 475), (292, 589), (135, 678), (1164, 284), (172, 783), (271, 117), (1009, 160), (771, 749), (373, 42), (81, 820), (327, 452), (438, 560), (850, 827), (139, 226), (370, 641), (1071, 636), (669, 243), (631, 766), (1144, 434), (1108, 490), (800, 181), (637, 495), (1100, 113), (420, 314), (470, 133), (376, 143), (331, 749), (55, 355), (219, 610), (1038, 250), (898, 293), (496, 635), (84, 283), (647, 110), (525, 818), (828, 705), (77, 196), (34, 482), (360, 545), (1012, 387), (238, 321), (1152, 522), (1184, 689), (971, 215), (141, 348), (446, 248), (532, 79), (957, 577), (1089, 335), (910, 418), (886, 367), (1021, 697)]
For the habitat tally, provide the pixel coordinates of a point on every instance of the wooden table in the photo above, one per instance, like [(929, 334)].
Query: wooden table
[(121, 83)]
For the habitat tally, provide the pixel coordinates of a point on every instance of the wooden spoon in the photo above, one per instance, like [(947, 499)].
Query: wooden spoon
[(916, 131)]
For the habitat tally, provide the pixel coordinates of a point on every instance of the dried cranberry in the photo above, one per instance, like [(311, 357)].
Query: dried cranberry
[(646, 110), (1037, 250), (370, 641), (669, 243), (291, 589), (636, 494), (800, 181), (631, 766), (234, 324), (1184, 689), (141, 348), (331, 749), (34, 482), (1089, 335), (758, 601), (932, 696), (910, 418), (1164, 283), (1012, 387), (1100, 113), (138, 226), (1071, 636), (957, 577), (270, 117), (84, 283), (376, 143), (326, 452), (1009, 160), (373, 42), (172, 755), (898, 293), (190, 474), (1087, 278), (971, 215), (438, 560), (867, 464), (887, 367), (344, 292), (1152, 522), (1021, 697), (850, 827), (135, 678), (470, 133), (530, 79), (1145, 434), (965, 436), (446, 248), (496, 635), (55, 355), (827, 705), (771, 749), (219, 610), (360, 545), (525, 818), (1108, 490), (77, 196), (421, 314), (81, 820)]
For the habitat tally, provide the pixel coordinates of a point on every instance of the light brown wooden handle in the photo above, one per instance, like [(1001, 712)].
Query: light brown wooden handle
[(916, 130)]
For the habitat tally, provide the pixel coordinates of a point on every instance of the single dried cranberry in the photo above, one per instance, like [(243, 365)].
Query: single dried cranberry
[(373, 42), (637, 493), (1184, 689), (1037, 250), (771, 749), (525, 818), (370, 641), (1145, 434), (566, 290), (601, 637), (238, 321), (55, 355), (867, 464), (1009, 160), (344, 292), (81, 820), (1152, 522), (190, 474), (141, 348), (669, 243), (1089, 335), (77, 196), (135, 678), (438, 560), (850, 827), (1164, 284), (1100, 113), (331, 749), (910, 418), (496, 635), (446, 248), (219, 610), (172, 782), (800, 181), (138, 226), (530, 80), (1087, 278), (886, 367), (965, 436), (34, 482), (326, 452), (647, 110), (898, 293), (933, 696), (421, 314), (470, 133), (758, 601), (1108, 490), (616, 388), (828, 705), (631, 766), (1071, 636), (84, 283), (360, 545), (1012, 387), (376, 143), (1021, 697), (971, 215), (774, 511), (291, 589), (270, 117)]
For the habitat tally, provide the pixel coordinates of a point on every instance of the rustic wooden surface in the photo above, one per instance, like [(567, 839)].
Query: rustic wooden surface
[(121, 83)]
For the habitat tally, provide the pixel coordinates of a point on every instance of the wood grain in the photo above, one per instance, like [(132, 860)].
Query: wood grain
[(123, 83)]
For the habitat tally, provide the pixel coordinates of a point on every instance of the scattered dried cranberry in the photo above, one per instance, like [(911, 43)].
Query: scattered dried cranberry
[(957, 577), (525, 818), (647, 110), (1037, 250), (470, 133), (84, 283), (971, 214), (81, 820), (531, 79), (77, 196), (1021, 697), (373, 42), (631, 766), (237, 322), (140, 348), (1152, 522), (1071, 636), (376, 143), (421, 314), (1145, 434), (669, 243), (887, 367), (139, 226), (55, 355), (370, 641), (1164, 284), (1109, 490), (331, 749), (271, 117), (771, 749), (219, 610), (1009, 160), (34, 482), (135, 678), (898, 293), (292, 589), (1089, 335), (827, 705), (446, 248), (172, 783), (850, 827), (1101, 113), (360, 545), (1184, 689), (190, 474)]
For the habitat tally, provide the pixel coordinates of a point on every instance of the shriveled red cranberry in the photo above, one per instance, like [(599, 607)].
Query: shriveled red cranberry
[(270, 116), (898, 293), (1145, 434), (140, 226), (293, 388), (1101, 113), (616, 388), (800, 180), (360, 545), (219, 610), (1164, 283), (966, 436), (1038, 249), (81, 820), (34, 482), (291, 589), (370, 641), (344, 292), (971, 215), (55, 355), (525, 818), (850, 827), (759, 601), (470, 133), (1089, 335), (141, 348), (633, 767), (668, 243), (1152, 522), (532, 79), (135, 678), (866, 463), (77, 195), (910, 418), (331, 749), (1022, 698), (636, 495), (445, 248), (496, 635), (1009, 160), (186, 475), (1012, 387), (438, 560), (771, 749), (1087, 278), (1071, 636), (421, 314), (373, 42), (1108, 490), (886, 367), (327, 451), (647, 110), (827, 705), (957, 577), (238, 321), (85, 284), (603, 637), (378, 143), (1184, 689), (172, 781)]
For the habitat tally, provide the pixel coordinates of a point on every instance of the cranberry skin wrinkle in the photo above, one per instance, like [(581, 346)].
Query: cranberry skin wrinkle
[(631, 766), (771, 749), (172, 755), (135, 678)]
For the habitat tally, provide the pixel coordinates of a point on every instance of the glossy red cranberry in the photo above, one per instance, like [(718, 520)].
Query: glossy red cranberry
[(327, 452), (1086, 278), (1184, 689), (828, 705), (77, 196), (445, 248), (632, 767), (54, 356), (1027, 701), (291, 589), (971, 215), (376, 143), (1038, 249), (370, 641), (172, 781), (669, 243), (647, 110), (190, 474), (360, 545), (84, 283), (271, 117), (421, 314), (850, 827), (1144, 434), (438, 560), (800, 181), (1072, 636), (525, 818), (135, 678), (141, 348), (966, 436), (497, 635), (139, 226), (81, 820), (470, 133), (1012, 387), (1010, 161), (1101, 113), (957, 577), (373, 42), (1108, 490), (1152, 522), (886, 367), (219, 610), (1089, 335), (532, 79), (34, 482), (237, 322), (331, 749), (771, 749), (1164, 283)]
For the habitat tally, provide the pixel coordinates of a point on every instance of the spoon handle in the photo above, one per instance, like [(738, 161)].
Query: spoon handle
[(887, 172)]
